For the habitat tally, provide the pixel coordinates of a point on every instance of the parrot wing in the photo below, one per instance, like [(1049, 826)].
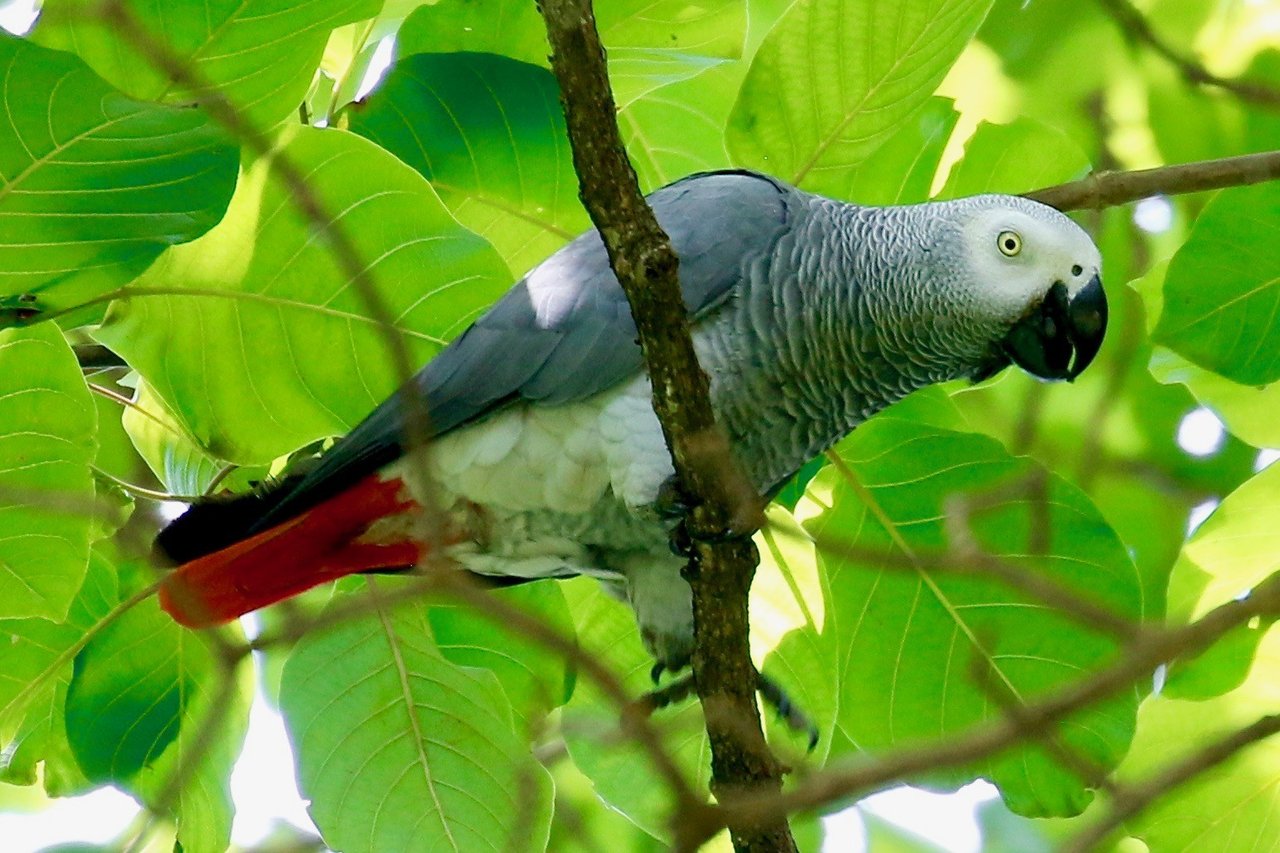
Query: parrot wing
[(563, 333)]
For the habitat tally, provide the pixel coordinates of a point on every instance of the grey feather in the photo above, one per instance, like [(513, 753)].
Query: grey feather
[(565, 332)]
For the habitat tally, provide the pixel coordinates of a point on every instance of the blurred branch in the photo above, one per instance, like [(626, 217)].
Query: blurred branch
[(1138, 30), (719, 574), (1108, 189), (1139, 660), (1130, 801)]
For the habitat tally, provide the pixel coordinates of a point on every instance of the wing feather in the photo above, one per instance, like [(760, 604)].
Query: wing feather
[(564, 332)]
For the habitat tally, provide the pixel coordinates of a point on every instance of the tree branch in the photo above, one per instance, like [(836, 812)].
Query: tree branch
[(1109, 189), (646, 266), (1139, 661), (1138, 29), (1132, 801)]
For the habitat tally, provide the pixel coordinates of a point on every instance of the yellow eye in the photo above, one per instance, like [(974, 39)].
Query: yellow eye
[(1009, 242)]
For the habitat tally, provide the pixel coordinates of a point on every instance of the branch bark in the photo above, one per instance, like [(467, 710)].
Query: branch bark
[(719, 574), (1138, 29), (1109, 189)]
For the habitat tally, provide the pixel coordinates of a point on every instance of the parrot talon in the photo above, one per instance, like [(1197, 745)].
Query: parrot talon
[(676, 691), (776, 697), (655, 674), (681, 542)]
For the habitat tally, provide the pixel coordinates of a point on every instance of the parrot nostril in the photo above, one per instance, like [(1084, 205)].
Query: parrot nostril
[(1076, 269)]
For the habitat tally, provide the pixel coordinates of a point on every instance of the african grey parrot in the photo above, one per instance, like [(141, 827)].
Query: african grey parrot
[(543, 452)]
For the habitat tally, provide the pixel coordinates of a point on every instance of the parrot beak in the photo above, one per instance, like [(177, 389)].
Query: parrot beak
[(1058, 338)]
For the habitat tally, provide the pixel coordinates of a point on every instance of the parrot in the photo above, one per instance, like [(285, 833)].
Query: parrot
[(540, 455)]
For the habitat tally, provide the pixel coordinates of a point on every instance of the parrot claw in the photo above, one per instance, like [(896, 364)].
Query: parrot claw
[(776, 697), (655, 674), (678, 690)]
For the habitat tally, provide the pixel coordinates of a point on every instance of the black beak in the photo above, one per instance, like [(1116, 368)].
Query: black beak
[(1058, 338)]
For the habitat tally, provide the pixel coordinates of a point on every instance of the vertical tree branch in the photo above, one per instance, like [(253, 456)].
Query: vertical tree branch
[(646, 266)]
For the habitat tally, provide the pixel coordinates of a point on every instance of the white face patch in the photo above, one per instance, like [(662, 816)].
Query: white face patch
[(1015, 256)]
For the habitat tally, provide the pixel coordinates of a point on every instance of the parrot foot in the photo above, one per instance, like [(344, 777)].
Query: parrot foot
[(776, 697), (674, 503), (770, 691), (677, 691)]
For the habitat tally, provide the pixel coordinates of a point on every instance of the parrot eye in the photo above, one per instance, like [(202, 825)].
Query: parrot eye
[(1009, 242)]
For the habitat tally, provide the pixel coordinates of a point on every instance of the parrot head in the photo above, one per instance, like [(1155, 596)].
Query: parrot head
[(1040, 286)]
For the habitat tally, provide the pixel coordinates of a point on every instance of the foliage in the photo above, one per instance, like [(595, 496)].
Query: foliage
[(132, 217)]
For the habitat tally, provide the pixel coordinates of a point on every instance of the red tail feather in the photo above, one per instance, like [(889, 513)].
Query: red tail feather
[(317, 546)]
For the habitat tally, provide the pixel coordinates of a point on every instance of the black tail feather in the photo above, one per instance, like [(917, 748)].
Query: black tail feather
[(219, 521)]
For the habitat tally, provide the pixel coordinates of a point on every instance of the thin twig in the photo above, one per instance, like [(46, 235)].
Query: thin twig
[(1134, 799), (1138, 29), (1109, 189)]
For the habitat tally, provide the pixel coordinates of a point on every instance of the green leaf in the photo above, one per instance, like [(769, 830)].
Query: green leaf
[(534, 677), (260, 55), (901, 170), (678, 129), (47, 427), (1014, 158), (399, 749), (815, 104), (910, 642), (649, 44), (1248, 411), (95, 185), (489, 134), (124, 704), (149, 702), (255, 337), (1237, 546), (181, 465), (1222, 292), (511, 28), (788, 607), (1229, 808), (33, 686)]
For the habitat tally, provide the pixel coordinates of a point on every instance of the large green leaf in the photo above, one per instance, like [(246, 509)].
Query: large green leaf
[(489, 134), (834, 79), (33, 686), (678, 129), (902, 169), (150, 703), (1222, 292), (1237, 546), (94, 185), (912, 642), (1248, 411), (47, 426), (534, 677), (398, 749), (1228, 808), (257, 339), (1014, 158), (259, 54), (650, 44)]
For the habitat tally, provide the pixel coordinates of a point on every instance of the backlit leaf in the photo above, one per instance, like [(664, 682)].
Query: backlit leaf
[(815, 104), (47, 426), (258, 340), (93, 185)]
